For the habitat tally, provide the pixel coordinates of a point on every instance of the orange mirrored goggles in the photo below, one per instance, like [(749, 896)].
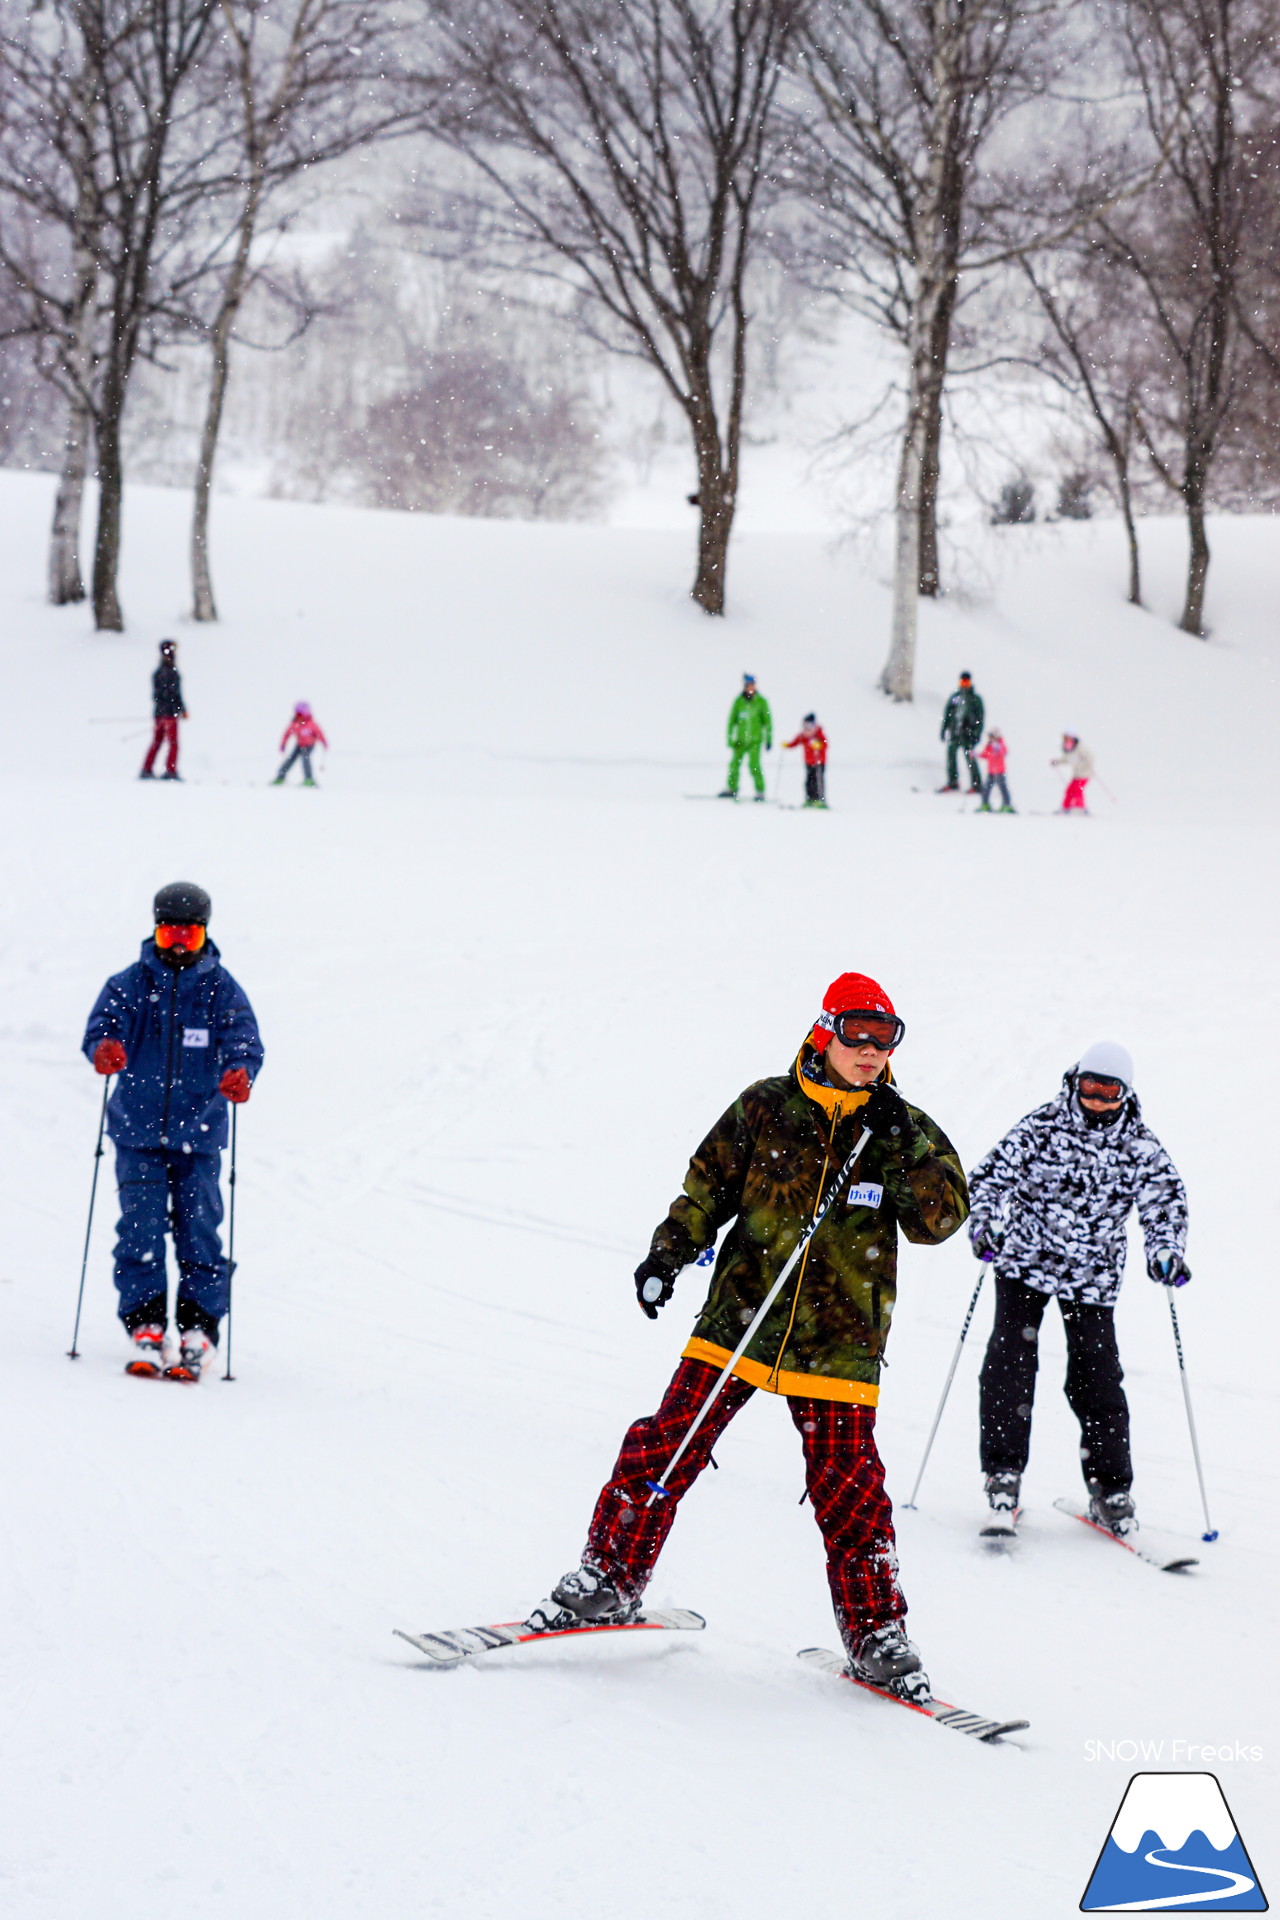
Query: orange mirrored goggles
[(861, 1029), (191, 937)]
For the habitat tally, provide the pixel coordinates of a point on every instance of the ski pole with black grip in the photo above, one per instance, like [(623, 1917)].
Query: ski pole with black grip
[(231, 1239), (955, 1362), (1210, 1531), (837, 1187), (74, 1352)]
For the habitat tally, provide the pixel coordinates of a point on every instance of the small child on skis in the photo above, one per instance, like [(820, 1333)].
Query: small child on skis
[(1080, 761), (305, 731), (814, 741), (996, 756)]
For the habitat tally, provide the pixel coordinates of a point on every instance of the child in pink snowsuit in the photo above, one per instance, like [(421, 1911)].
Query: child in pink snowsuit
[(996, 756), (1079, 759), (305, 731)]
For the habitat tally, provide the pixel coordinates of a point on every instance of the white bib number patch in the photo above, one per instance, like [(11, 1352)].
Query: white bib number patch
[(195, 1036), (866, 1195)]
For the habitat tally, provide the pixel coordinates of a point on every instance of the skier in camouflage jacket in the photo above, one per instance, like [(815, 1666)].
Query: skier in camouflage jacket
[(761, 1172), (1050, 1206)]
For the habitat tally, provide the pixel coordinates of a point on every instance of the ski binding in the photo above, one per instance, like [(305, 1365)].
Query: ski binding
[(456, 1645), (1167, 1563), (976, 1725)]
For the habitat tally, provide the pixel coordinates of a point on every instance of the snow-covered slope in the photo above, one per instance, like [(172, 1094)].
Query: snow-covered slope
[(507, 974)]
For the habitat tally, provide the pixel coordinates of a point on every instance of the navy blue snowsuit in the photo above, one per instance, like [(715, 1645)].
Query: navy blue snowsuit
[(181, 1029)]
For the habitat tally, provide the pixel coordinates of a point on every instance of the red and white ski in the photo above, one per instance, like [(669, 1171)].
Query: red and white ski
[(976, 1725), (1167, 1562), (451, 1648)]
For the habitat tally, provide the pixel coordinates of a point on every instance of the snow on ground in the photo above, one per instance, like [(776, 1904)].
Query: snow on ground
[(507, 974)]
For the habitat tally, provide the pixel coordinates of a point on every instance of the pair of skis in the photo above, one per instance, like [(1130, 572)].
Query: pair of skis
[(1002, 1529), (453, 1648)]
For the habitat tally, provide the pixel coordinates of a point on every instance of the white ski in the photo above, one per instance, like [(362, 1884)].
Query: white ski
[(1167, 1562), (452, 1647), (976, 1725)]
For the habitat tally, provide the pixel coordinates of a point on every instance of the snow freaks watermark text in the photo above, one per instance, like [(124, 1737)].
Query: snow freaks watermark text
[(1174, 1753)]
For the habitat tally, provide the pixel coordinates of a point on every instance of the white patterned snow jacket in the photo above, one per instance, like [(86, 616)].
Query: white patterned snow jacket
[(1057, 1193)]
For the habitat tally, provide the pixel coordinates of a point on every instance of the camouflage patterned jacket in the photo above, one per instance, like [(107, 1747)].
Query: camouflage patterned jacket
[(764, 1166)]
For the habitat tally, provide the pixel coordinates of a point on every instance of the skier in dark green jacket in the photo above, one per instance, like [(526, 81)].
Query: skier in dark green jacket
[(750, 728), (962, 720)]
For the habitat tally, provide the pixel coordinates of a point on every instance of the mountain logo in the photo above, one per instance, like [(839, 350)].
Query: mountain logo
[(1173, 1848)]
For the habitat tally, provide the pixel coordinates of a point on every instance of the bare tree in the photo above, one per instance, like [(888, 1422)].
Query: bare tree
[(625, 148), (50, 227), (1209, 71), (909, 93), (1092, 350), (304, 83)]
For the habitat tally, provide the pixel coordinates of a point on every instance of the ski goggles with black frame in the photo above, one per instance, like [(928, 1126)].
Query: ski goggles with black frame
[(1090, 1087), (861, 1029), (190, 937)]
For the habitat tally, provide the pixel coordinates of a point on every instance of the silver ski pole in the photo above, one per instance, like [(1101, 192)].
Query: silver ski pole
[(836, 1188), (1210, 1531), (74, 1353), (231, 1238), (937, 1418)]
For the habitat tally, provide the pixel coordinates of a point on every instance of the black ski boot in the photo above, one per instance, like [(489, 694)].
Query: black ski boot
[(584, 1598), (886, 1658), (1114, 1511), (1003, 1490)]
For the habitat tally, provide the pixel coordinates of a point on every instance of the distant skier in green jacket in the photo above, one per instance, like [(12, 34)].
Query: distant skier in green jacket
[(750, 728), (962, 720)]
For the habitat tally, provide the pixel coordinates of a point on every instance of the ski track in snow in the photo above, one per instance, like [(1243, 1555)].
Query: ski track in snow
[(506, 979)]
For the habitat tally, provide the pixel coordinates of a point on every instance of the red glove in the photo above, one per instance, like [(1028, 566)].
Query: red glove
[(234, 1085), (109, 1057)]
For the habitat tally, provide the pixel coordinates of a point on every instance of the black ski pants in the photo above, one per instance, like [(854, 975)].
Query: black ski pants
[(815, 784), (1094, 1386)]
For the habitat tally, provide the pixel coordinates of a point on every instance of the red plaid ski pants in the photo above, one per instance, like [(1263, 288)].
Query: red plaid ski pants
[(843, 1472)]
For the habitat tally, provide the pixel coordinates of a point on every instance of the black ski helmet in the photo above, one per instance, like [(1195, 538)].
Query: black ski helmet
[(183, 904), (167, 649)]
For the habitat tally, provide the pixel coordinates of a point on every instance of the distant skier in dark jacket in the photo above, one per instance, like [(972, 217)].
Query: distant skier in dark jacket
[(962, 720), (761, 1173), (1050, 1205), (182, 1036), (166, 700)]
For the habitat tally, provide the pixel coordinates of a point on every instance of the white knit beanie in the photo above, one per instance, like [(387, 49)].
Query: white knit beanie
[(1109, 1061)]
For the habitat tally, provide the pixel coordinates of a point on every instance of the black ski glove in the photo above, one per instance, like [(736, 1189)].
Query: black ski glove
[(984, 1240), (1170, 1269), (655, 1284), (886, 1115)]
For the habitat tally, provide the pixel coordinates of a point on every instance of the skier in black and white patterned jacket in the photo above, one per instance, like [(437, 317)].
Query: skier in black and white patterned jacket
[(1050, 1206)]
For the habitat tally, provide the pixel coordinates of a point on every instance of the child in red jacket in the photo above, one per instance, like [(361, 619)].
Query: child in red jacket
[(305, 731), (996, 754), (814, 741)]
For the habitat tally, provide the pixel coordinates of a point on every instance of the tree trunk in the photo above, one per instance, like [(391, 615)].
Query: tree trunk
[(107, 614), (1192, 620), (65, 582), (939, 345), (66, 585), (203, 606), (717, 469), (1131, 535), (898, 677)]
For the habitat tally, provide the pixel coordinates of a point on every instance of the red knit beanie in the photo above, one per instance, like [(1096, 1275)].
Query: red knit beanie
[(851, 993)]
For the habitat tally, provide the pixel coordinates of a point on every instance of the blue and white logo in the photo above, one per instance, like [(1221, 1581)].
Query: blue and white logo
[(869, 1194), (1173, 1848)]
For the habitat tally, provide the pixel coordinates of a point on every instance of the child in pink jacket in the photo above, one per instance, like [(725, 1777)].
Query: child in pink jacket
[(996, 755), (305, 731)]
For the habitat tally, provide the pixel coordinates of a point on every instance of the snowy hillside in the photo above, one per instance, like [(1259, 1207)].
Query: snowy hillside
[(507, 975)]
